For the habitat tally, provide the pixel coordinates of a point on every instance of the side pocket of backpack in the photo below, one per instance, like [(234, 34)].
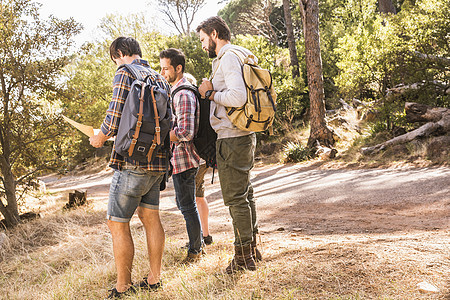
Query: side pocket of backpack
[(142, 146)]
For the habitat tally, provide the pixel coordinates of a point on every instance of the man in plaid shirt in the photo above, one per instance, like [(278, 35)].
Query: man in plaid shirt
[(135, 185), (185, 160)]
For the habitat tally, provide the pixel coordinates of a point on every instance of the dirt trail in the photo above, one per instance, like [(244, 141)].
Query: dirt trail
[(397, 215), (319, 201)]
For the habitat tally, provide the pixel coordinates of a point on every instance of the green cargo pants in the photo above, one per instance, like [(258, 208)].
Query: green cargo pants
[(235, 159)]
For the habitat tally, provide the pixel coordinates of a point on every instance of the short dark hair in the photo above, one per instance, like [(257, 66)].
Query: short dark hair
[(218, 24), (176, 57), (127, 45)]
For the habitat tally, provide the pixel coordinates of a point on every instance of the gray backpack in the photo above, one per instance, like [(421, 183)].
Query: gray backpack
[(145, 121)]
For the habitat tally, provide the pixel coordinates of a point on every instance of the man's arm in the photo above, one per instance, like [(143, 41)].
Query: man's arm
[(121, 88), (110, 124), (235, 94)]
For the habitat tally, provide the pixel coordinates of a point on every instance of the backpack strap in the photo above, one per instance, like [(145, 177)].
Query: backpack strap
[(157, 139), (139, 121), (155, 107), (133, 70), (244, 57), (212, 178), (190, 88), (186, 87)]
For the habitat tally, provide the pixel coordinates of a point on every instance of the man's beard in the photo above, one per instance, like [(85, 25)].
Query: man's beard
[(171, 79), (212, 49)]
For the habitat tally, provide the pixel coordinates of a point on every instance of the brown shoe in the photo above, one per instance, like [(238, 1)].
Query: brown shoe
[(243, 260), (191, 258)]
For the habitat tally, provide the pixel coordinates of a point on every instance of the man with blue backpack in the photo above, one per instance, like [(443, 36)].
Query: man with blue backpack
[(139, 116)]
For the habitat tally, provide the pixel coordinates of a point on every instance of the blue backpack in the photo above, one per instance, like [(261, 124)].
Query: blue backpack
[(146, 119)]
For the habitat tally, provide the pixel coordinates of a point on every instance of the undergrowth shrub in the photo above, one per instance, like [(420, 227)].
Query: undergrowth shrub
[(295, 152)]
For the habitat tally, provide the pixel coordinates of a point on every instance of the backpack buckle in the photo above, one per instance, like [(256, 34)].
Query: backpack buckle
[(153, 146), (133, 141), (139, 124), (157, 129), (249, 120)]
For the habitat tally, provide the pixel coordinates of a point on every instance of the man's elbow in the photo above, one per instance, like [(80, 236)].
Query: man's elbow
[(241, 99), (238, 99)]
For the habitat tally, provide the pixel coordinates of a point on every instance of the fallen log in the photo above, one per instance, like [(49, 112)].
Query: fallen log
[(438, 123)]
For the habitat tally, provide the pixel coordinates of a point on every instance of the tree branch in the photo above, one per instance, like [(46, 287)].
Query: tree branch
[(22, 145), (302, 6), (22, 179)]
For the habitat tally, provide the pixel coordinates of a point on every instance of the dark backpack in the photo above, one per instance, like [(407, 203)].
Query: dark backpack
[(205, 138), (145, 121)]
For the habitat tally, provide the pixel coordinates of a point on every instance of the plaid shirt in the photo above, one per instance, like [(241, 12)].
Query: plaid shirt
[(121, 87), (185, 125)]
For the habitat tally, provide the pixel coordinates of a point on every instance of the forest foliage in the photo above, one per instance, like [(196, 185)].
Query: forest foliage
[(365, 54)]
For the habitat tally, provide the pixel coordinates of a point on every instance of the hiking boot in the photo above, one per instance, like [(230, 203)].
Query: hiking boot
[(208, 240), (117, 295), (255, 252), (144, 285), (243, 260), (191, 258)]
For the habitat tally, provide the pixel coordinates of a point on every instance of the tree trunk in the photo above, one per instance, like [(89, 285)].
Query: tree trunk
[(320, 133), (386, 6), (9, 211), (291, 38)]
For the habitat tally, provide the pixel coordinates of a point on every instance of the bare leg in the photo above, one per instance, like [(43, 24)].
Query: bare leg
[(123, 249), (155, 241), (203, 211)]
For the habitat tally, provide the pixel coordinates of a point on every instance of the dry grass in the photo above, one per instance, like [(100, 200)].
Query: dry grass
[(69, 256)]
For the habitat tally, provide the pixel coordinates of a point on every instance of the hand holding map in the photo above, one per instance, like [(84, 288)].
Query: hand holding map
[(86, 129)]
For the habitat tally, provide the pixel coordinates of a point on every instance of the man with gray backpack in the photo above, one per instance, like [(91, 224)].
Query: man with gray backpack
[(139, 115)]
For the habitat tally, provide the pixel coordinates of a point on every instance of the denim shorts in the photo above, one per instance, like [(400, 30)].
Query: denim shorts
[(130, 188)]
